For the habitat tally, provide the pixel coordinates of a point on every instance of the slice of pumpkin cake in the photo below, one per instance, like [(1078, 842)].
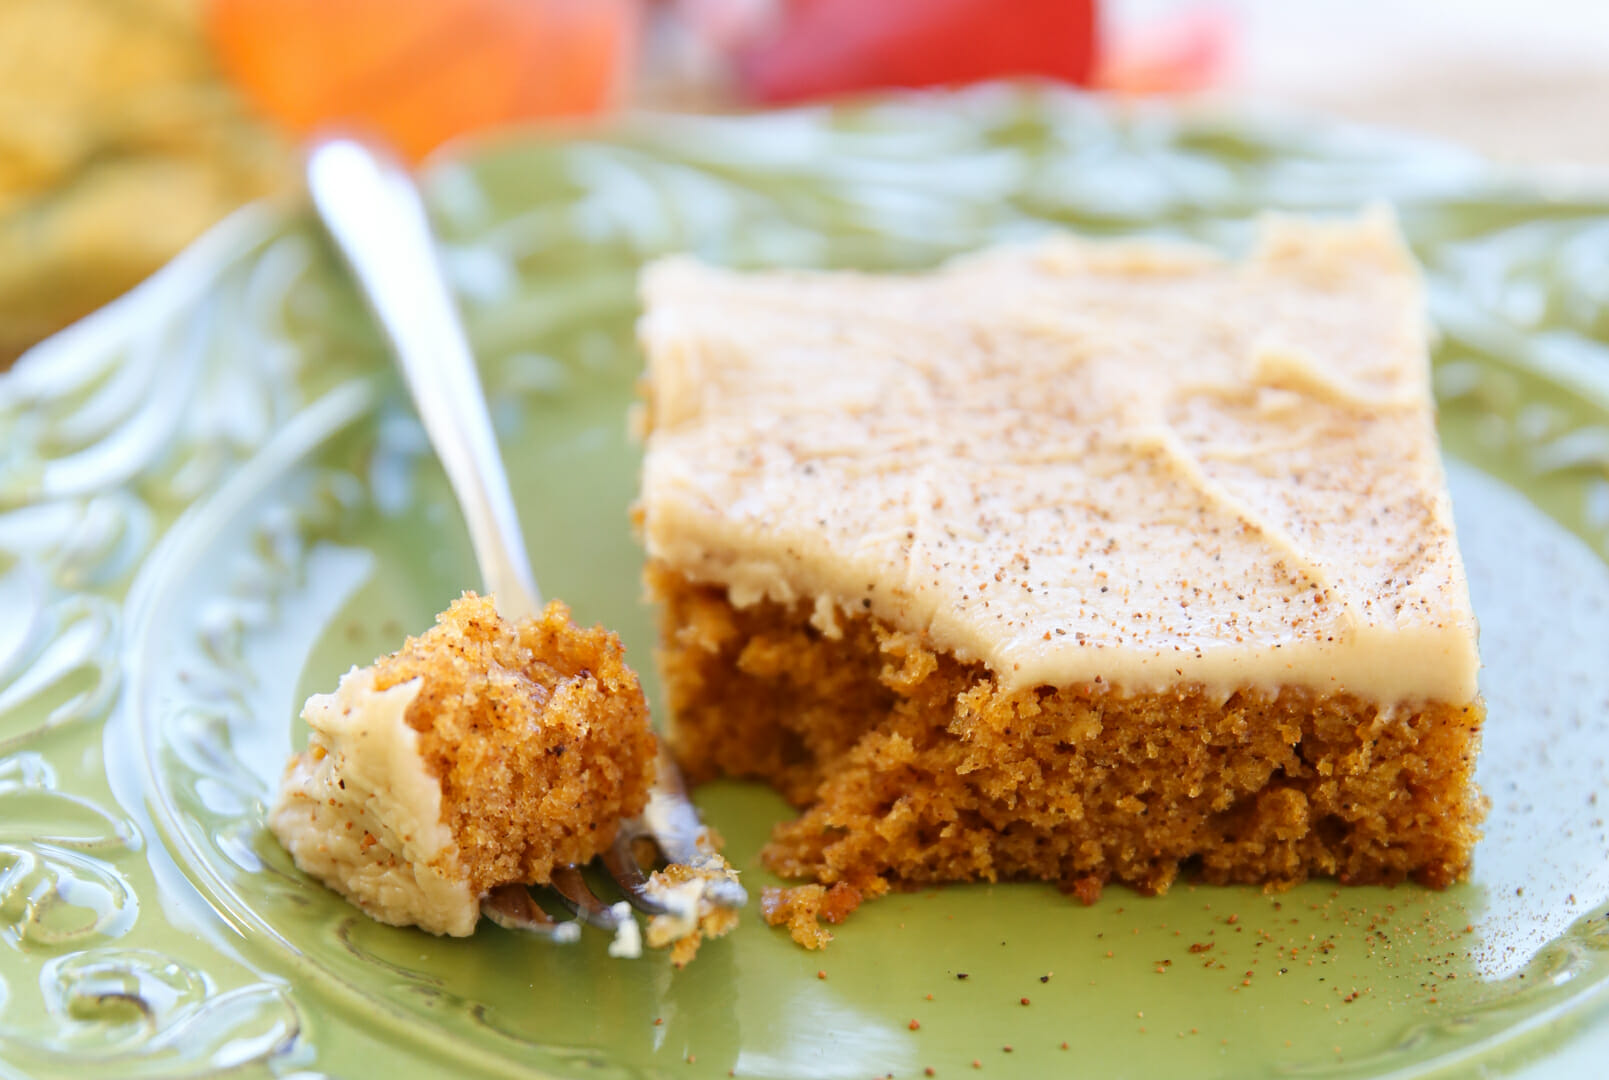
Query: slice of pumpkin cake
[(1081, 561)]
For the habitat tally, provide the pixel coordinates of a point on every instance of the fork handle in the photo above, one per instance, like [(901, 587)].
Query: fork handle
[(372, 209)]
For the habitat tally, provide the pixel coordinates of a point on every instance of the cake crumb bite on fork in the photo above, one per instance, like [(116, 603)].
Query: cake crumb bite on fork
[(483, 753), (518, 740)]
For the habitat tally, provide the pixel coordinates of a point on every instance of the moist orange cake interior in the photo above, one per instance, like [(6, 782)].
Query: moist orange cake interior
[(537, 730)]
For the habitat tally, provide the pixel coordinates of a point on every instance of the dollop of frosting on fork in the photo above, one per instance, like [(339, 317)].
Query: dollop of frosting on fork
[(359, 811)]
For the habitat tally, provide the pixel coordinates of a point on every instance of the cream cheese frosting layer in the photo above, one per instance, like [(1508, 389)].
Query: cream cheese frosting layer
[(1126, 463), (359, 811)]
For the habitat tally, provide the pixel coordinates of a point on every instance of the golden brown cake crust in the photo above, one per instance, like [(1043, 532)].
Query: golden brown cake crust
[(538, 732), (915, 767)]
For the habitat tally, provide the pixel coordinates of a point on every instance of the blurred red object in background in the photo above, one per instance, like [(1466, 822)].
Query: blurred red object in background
[(820, 48), (421, 71), (1183, 52)]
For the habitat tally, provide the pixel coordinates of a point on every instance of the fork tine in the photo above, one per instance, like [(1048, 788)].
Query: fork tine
[(511, 907), (673, 822), (670, 818), (577, 895), (725, 892), (622, 866)]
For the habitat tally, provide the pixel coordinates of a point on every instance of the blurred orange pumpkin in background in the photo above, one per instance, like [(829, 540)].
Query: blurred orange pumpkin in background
[(421, 71)]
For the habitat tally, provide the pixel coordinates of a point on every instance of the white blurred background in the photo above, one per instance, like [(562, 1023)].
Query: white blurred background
[(1522, 80)]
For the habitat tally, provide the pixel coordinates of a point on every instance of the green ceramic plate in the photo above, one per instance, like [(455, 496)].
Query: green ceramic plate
[(214, 499)]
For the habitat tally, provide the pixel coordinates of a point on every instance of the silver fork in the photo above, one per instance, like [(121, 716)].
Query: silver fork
[(372, 209)]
